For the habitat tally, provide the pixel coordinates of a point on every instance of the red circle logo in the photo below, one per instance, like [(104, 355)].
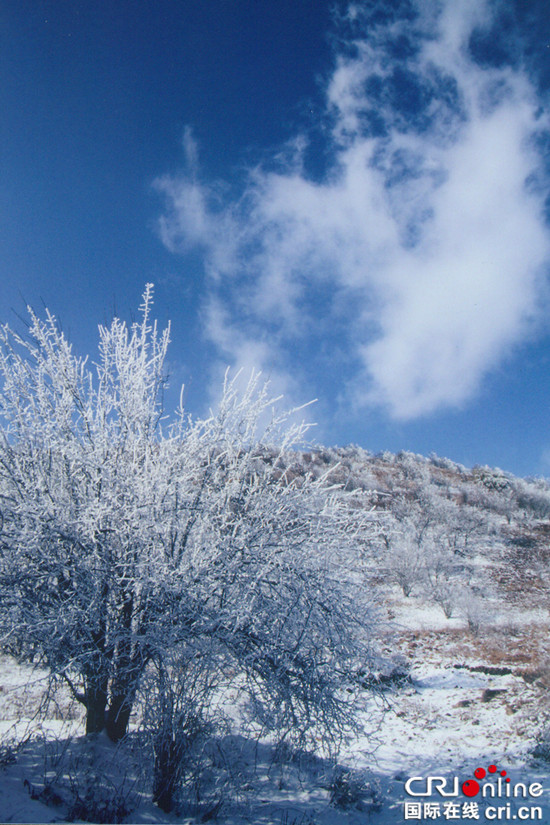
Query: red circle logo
[(470, 787)]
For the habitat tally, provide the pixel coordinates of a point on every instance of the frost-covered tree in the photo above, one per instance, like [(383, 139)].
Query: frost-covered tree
[(426, 539), (402, 558), (131, 545), (408, 529)]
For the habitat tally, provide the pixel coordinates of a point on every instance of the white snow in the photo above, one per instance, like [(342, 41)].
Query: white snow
[(438, 724)]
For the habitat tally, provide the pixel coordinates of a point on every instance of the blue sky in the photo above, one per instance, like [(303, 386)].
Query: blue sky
[(352, 198)]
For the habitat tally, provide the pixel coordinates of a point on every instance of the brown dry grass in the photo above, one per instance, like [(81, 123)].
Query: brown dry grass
[(523, 649)]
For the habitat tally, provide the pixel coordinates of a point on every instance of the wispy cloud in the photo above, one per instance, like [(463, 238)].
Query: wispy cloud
[(420, 255)]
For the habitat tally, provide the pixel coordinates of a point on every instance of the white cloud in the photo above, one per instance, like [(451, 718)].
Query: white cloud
[(423, 231)]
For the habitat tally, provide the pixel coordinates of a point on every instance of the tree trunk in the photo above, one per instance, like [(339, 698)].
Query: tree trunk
[(118, 714), (128, 665), (96, 702), (97, 679), (166, 772)]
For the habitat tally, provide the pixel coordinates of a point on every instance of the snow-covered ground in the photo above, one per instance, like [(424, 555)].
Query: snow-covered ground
[(472, 701)]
